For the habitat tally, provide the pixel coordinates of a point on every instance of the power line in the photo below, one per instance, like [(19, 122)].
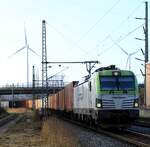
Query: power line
[(132, 12), (119, 40), (56, 30), (98, 21), (120, 25), (69, 39)]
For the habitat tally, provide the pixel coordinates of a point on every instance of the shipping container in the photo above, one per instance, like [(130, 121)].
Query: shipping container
[(4, 104), (29, 104), (61, 100), (69, 96), (17, 104), (38, 103), (53, 102), (13, 104), (22, 103)]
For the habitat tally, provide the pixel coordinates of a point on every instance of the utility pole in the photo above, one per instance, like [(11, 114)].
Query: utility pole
[(33, 88), (44, 70), (146, 45), (146, 48), (12, 95), (146, 32)]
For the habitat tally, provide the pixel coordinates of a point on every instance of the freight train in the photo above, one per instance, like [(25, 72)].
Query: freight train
[(21, 104), (109, 97)]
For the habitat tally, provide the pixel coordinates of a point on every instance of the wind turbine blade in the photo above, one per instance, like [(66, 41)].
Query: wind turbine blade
[(133, 53), (34, 52), (124, 51), (25, 35), (16, 52), (119, 47)]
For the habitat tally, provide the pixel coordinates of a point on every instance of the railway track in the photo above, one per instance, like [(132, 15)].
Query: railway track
[(131, 137), (128, 136), (8, 121), (140, 138), (142, 123), (3, 115)]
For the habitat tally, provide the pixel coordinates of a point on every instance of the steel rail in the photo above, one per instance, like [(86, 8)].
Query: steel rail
[(124, 136)]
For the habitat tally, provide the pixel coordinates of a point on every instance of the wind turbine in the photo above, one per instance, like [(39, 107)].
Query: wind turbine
[(26, 46), (128, 54), (129, 58)]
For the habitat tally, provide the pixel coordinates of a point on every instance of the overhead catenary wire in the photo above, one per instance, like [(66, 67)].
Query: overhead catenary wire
[(92, 27), (121, 39), (120, 25), (89, 30), (67, 39), (98, 21), (122, 22)]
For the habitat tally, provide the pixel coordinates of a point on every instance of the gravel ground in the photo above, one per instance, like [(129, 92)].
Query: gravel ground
[(23, 134), (91, 139), (54, 133)]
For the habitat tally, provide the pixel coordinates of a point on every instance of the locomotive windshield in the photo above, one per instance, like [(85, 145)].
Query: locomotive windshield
[(117, 83)]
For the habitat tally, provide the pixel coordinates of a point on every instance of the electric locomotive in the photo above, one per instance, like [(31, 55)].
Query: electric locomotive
[(109, 97)]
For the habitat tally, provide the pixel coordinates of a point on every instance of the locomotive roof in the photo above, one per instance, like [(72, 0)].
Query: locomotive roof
[(112, 68)]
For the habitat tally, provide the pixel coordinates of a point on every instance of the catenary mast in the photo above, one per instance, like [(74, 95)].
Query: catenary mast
[(44, 69)]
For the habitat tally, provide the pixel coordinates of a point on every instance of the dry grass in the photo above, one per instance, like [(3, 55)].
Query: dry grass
[(32, 133), (55, 133), (18, 110)]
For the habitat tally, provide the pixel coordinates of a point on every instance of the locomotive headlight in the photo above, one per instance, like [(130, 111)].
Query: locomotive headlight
[(115, 73), (98, 103), (136, 104)]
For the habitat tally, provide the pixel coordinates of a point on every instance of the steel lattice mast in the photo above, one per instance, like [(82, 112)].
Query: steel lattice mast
[(146, 51), (44, 69)]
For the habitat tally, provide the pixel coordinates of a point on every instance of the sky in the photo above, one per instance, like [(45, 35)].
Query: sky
[(77, 30)]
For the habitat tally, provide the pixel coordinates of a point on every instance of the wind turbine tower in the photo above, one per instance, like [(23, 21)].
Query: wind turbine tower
[(26, 46)]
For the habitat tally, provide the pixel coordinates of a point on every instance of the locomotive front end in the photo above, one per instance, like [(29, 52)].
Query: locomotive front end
[(117, 97)]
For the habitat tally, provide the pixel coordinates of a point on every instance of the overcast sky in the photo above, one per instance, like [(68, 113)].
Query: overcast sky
[(77, 30)]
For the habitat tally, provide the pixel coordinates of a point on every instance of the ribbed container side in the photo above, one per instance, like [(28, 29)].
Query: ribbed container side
[(61, 100), (69, 96)]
